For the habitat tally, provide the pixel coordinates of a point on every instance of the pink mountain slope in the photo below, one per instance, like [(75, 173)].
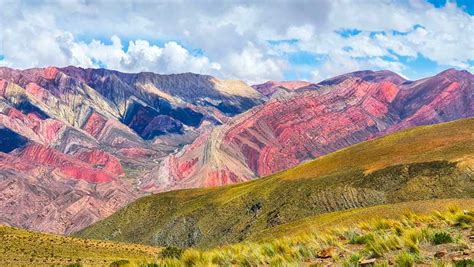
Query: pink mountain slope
[(312, 122)]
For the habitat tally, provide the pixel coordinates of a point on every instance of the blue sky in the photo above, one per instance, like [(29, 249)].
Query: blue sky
[(248, 40), (466, 5)]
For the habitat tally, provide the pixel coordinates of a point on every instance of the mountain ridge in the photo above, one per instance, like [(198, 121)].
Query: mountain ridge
[(319, 119)]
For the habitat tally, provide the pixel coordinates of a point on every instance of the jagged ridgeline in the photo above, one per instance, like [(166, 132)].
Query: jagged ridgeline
[(423, 163)]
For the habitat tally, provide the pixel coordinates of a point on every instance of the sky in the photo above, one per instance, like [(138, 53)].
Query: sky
[(254, 41)]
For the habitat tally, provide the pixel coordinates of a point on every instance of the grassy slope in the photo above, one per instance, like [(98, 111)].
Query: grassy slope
[(347, 218), (297, 242), (443, 238), (21, 247), (421, 163)]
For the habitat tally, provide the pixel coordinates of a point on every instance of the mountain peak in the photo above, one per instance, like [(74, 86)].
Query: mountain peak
[(455, 72), (368, 76), (270, 87)]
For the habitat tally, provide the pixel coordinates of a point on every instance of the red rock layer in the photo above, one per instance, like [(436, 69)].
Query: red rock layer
[(39, 155), (102, 160), (50, 73)]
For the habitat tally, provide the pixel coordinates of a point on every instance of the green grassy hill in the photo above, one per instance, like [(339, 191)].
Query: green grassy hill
[(430, 162), (26, 248)]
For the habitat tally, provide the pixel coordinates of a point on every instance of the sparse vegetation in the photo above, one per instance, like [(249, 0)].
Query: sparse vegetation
[(405, 259), (26, 248), (432, 239), (406, 241)]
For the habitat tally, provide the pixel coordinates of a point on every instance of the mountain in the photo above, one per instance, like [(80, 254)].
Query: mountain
[(78, 144), (312, 121), (271, 87), (422, 163), (368, 76), (74, 141)]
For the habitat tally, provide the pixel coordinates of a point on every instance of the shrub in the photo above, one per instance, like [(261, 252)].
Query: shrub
[(441, 238), (405, 259), (172, 252), (464, 220), (464, 263), (352, 261), (356, 238), (119, 263)]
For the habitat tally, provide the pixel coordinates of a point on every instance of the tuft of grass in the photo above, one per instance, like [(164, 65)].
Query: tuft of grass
[(441, 238), (352, 261), (464, 263), (172, 252), (382, 243), (405, 259), (464, 220), (120, 263), (190, 257), (354, 236)]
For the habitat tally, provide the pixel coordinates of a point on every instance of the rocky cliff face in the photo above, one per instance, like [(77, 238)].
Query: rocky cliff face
[(316, 120), (74, 141)]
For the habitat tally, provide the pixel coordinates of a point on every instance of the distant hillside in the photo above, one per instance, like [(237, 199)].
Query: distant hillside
[(429, 162)]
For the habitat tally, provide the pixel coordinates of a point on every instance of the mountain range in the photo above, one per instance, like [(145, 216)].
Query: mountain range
[(76, 145)]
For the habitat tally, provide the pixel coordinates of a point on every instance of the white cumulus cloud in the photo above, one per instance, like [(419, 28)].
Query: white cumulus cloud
[(243, 40)]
